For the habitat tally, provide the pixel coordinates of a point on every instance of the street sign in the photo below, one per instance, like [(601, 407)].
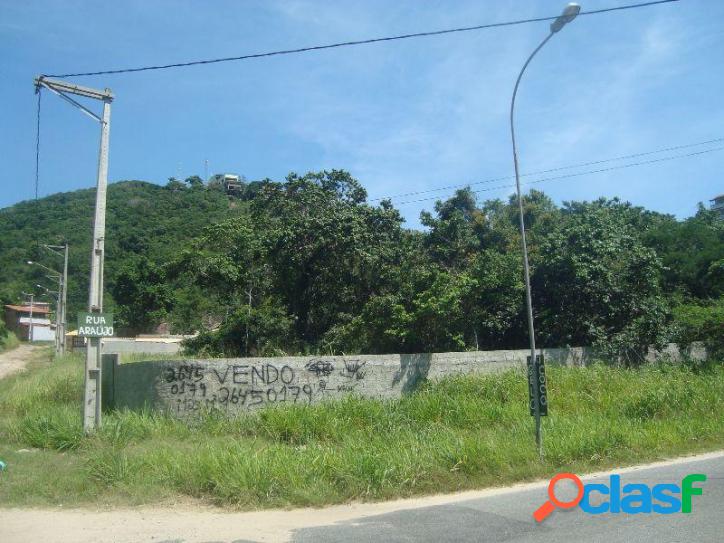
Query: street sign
[(95, 324), (537, 391)]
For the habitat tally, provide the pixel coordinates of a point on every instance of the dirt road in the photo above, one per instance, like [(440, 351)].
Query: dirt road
[(16, 359)]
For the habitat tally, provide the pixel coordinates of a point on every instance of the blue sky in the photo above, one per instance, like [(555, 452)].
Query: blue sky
[(403, 116)]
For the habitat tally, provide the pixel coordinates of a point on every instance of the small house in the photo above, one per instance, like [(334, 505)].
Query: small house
[(30, 322)]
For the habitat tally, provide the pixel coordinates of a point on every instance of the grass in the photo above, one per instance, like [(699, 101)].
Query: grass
[(461, 433), (9, 341)]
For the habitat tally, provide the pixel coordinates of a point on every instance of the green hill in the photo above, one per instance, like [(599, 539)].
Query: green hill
[(143, 219), (309, 265)]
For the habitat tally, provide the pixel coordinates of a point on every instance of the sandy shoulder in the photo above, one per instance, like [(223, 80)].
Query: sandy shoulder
[(16, 359)]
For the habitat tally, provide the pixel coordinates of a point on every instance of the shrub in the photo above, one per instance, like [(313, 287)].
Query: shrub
[(703, 323)]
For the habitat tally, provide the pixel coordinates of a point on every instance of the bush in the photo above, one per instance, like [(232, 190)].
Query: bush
[(703, 323), (8, 341)]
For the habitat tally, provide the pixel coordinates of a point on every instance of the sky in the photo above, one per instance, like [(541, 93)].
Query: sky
[(404, 116)]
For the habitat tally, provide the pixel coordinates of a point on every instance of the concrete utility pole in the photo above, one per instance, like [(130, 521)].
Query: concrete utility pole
[(64, 301), (30, 324), (30, 328), (569, 13), (58, 311), (62, 327), (92, 390)]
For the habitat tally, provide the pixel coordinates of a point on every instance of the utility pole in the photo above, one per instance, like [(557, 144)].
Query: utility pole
[(58, 310), (64, 301), (54, 276), (58, 318), (92, 388), (30, 324), (61, 322), (30, 331)]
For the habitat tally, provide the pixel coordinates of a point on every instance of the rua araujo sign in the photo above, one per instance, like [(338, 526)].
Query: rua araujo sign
[(95, 324)]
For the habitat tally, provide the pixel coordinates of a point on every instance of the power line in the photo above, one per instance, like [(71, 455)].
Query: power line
[(351, 43), (578, 174), (560, 168)]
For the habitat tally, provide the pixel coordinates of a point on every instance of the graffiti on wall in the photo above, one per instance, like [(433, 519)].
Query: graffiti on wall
[(194, 387)]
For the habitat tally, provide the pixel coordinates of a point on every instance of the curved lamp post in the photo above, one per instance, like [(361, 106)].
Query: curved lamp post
[(569, 13)]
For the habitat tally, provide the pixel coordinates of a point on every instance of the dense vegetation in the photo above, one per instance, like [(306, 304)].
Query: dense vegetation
[(309, 265), (143, 220), (464, 432)]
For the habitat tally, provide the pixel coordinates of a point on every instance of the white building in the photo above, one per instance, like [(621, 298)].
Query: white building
[(231, 183), (30, 323)]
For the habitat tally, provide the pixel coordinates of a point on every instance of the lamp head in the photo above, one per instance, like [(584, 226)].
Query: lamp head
[(569, 13)]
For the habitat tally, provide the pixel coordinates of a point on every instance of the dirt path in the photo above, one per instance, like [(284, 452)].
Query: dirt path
[(16, 359), (188, 524)]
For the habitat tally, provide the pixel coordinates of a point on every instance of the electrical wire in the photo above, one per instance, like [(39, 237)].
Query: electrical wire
[(560, 168), (351, 43), (578, 174)]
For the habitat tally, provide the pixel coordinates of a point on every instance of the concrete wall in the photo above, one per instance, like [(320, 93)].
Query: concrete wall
[(113, 345), (186, 387)]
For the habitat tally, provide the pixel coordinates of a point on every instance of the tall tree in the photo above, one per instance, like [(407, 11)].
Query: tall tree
[(597, 283)]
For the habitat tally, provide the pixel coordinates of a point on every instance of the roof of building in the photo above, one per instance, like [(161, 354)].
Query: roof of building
[(27, 308)]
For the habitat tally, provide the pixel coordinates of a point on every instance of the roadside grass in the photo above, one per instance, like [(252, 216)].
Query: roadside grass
[(460, 433)]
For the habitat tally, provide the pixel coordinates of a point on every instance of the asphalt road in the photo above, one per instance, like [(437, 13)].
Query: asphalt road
[(508, 517)]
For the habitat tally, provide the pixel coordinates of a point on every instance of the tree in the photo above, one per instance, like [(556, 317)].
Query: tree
[(692, 252), (175, 185), (223, 272), (596, 283), (264, 330), (453, 238), (701, 322), (329, 250), (143, 296), (195, 182)]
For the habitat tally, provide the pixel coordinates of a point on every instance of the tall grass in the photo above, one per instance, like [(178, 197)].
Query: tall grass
[(459, 433)]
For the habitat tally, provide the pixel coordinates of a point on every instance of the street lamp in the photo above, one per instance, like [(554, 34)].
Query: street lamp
[(46, 289), (46, 268), (569, 13)]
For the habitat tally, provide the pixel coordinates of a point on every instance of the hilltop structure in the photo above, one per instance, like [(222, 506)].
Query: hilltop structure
[(717, 205), (230, 182)]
